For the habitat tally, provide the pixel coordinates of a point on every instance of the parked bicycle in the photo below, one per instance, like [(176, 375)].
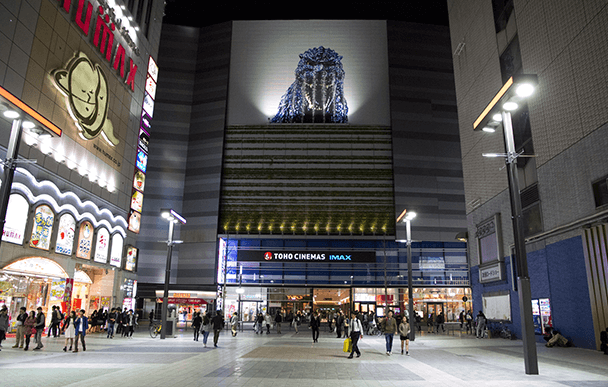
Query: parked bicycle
[(155, 330), (498, 329)]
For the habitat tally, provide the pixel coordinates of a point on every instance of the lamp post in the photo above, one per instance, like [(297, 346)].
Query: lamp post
[(513, 92), (407, 218), (172, 217)]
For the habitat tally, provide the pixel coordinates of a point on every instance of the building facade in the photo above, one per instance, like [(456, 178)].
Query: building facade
[(563, 187), (302, 141), (77, 81)]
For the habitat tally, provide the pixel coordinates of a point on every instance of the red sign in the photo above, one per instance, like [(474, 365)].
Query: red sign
[(181, 301)]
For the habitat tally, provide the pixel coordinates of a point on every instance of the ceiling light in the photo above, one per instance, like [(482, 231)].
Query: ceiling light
[(11, 114), (524, 90), (510, 106), (28, 125), (489, 129), (497, 117)]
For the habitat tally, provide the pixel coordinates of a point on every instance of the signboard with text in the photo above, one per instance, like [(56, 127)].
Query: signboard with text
[(307, 256)]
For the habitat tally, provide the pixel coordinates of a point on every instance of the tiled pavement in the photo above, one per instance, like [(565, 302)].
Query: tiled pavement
[(292, 360)]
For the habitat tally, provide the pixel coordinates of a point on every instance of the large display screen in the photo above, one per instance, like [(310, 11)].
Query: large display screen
[(268, 58)]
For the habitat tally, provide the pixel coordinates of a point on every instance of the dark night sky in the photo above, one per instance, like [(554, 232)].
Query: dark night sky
[(205, 12)]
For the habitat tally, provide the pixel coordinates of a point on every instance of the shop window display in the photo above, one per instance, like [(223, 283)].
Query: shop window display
[(85, 240)]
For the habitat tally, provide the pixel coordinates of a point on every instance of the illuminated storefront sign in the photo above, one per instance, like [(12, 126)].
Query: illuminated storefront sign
[(85, 240), (16, 219), (103, 30), (137, 201), (131, 261), (144, 140), (42, 228), (139, 181), (116, 252), (134, 221), (102, 246), (65, 234), (304, 256), (142, 160)]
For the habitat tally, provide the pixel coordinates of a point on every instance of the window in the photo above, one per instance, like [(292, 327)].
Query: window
[(42, 227), (600, 192), (489, 240)]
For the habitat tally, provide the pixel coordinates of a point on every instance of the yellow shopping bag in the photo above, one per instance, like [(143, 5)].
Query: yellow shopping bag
[(348, 345)]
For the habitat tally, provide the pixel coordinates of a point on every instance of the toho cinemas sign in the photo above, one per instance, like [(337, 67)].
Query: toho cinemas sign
[(104, 29)]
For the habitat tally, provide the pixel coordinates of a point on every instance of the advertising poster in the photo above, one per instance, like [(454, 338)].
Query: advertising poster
[(85, 240), (16, 219), (65, 235), (102, 246), (42, 228), (116, 253)]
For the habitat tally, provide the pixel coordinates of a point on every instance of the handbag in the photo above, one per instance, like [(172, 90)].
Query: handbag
[(348, 345)]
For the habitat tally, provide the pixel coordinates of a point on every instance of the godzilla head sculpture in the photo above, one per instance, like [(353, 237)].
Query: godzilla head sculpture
[(317, 94)]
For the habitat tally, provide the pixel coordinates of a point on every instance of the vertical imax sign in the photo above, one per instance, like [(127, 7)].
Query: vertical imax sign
[(306, 256)]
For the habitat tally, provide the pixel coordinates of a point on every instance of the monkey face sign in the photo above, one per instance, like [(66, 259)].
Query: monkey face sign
[(86, 90)]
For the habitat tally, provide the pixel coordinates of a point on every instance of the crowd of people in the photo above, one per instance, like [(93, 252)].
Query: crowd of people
[(74, 326)]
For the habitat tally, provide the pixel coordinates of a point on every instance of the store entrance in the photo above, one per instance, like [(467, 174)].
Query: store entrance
[(433, 309)]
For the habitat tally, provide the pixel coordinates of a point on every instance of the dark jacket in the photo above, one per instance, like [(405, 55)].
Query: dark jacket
[(85, 325), (40, 321), (197, 321), (218, 322), (278, 318), (315, 322)]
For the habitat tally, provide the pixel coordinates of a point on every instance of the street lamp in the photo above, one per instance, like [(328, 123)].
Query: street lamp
[(407, 218), (23, 117), (509, 97), (172, 217)]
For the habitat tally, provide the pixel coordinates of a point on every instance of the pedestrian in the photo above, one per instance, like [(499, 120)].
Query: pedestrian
[(440, 322), (259, 324), (111, 323), (20, 337), (197, 321), (469, 320), (418, 320), (461, 318), (151, 317), (315, 324), (481, 324), (69, 330), (278, 319), (55, 321), (297, 320), (206, 328), (234, 323), (430, 322), (339, 322), (40, 324), (356, 328), (404, 335), (119, 320), (268, 321), (131, 321), (80, 330), (389, 328), (93, 322), (29, 324), (3, 323), (345, 327), (218, 325)]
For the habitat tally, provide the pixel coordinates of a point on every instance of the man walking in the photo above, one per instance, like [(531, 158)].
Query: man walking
[(355, 333), (81, 325), (315, 324), (339, 322), (111, 323), (218, 324), (40, 324), (389, 328), (278, 319), (20, 328)]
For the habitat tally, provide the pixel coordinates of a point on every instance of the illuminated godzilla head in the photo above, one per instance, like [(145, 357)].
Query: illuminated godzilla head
[(317, 94)]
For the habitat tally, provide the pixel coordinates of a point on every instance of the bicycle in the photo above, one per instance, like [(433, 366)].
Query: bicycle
[(155, 330)]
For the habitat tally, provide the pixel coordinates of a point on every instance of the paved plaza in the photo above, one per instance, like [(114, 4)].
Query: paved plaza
[(292, 359)]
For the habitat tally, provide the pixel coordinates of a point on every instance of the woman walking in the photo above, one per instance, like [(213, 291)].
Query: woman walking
[(234, 322), (315, 324), (206, 328), (355, 334), (29, 324), (268, 321), (404, 335), (69, 330)]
